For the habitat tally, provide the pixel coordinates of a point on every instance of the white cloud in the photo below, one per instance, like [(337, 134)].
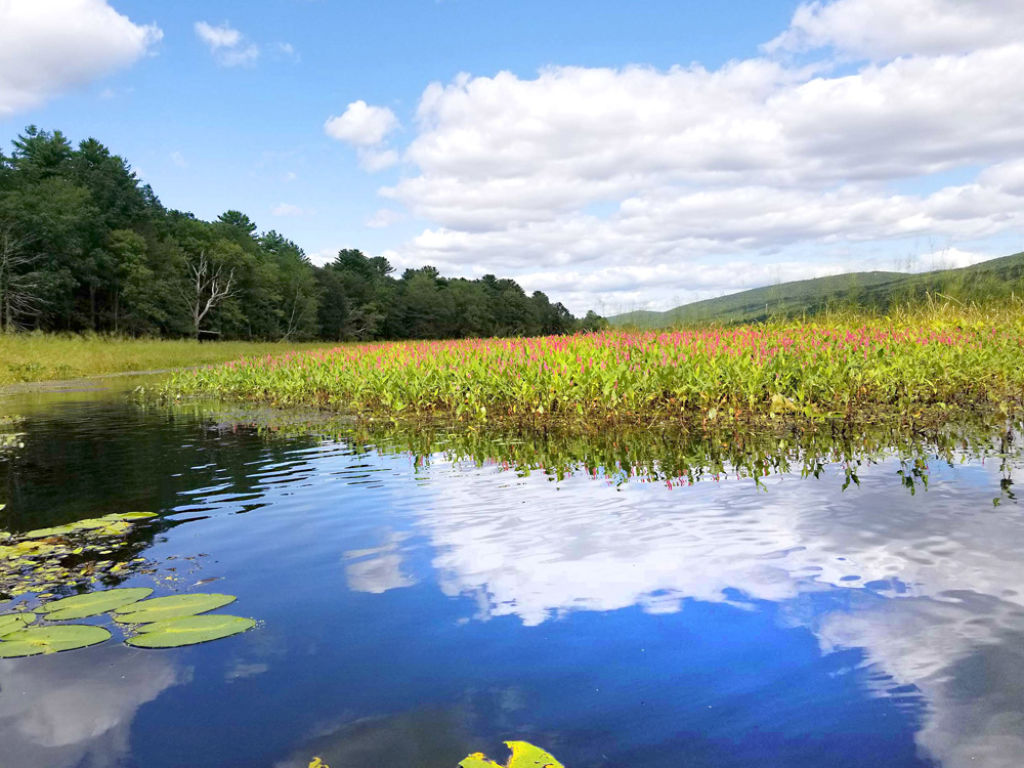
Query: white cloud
[(361, 124), (384, 217), (287, 51), (287, 209), (228, 46), (47, 48), (179, 159), (886, 29), (373, 160), (588, 171)]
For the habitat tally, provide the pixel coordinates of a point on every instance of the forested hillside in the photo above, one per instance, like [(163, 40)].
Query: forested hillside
[(987, 281), (85, 246)]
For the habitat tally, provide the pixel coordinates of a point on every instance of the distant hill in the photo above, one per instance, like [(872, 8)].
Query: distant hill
[(869, 290)]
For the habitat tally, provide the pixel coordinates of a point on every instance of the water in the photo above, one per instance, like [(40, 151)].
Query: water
[(414, 611)]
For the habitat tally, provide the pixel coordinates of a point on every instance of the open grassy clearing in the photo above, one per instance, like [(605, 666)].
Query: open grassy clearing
[(937, 359), (47, 357)]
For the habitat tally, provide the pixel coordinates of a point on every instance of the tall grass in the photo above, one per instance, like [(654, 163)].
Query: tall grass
[(937, 358), (41, 357)]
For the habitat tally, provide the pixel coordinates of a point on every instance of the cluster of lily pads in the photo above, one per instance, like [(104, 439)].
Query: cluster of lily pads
[(74, 554), (159, 622)]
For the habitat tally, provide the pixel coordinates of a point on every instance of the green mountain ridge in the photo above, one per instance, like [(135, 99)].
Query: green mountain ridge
[(986, 280)]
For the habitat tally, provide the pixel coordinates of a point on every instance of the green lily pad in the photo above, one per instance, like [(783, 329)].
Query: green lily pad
[(93, 603), (524, 755), (189, 631), (173, 607), (10, 622), (129, 516), (36, 640), (45, 533)]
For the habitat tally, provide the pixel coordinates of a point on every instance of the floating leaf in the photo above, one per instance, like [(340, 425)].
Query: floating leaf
[(189, 631), (129, 516), (10, 622), (524, 755), (36, 640), (477, 760), (173, 607), (45, 533), (80, 606)]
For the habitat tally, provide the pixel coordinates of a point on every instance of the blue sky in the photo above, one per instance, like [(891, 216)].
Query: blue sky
[(632, 154)]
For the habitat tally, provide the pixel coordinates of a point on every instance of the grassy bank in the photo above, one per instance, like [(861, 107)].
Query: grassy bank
[(45, 357), (852, 366)]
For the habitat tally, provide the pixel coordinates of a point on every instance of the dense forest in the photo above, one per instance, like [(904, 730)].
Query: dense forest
[(84, 246)]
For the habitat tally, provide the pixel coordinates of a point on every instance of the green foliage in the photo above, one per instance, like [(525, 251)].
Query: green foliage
[(93, 603), (524, 755), (86, 247), (10, 622), (189, 631), (171, 607), (941, 359), (36, 640)]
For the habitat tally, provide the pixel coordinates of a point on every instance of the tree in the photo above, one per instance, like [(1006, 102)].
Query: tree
[(208, 285), (20, 293)]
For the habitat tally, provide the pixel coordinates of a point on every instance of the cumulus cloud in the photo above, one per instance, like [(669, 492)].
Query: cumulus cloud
[(287, 209), (228, 46), (361, 124), (686, 170), (373, 160), (883, 29), (48, 48), (384, 217)]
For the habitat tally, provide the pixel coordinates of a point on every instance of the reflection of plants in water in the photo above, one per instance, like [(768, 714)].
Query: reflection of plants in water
[(10, 439), (677, 457), (163, 622)]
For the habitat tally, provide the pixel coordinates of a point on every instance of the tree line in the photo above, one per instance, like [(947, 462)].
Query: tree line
[(85, 246)]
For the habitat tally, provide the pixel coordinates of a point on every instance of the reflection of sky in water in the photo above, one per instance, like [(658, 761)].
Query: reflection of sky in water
[(412, 616), (57, 711)]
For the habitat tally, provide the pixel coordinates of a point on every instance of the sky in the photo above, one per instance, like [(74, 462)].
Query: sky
[(615, 155)]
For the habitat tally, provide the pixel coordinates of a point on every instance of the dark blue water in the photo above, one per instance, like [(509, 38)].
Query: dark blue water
[(410, 614)]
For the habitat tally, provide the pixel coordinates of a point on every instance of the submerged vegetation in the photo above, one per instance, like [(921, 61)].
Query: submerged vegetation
[(915, 366)]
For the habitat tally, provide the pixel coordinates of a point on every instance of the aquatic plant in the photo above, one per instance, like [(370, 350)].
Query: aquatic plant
[(51, 639), (68, 555), (524, 755), (171, 607), (189, 631), (926, 363), (93, 603), (169, 622)]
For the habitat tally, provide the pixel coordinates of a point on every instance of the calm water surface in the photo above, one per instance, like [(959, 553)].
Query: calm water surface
[(410, 614)]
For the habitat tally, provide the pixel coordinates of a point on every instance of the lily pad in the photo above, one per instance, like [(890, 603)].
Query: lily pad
[(129, 516), (10, 622), (189, 631), (524, 755), (93, 603), (36, 640), (173, 607)]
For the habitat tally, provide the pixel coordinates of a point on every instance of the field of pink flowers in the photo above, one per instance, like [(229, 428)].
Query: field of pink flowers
[(937, 362)]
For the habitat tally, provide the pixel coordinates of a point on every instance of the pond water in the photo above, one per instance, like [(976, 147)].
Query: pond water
[(410, 612)]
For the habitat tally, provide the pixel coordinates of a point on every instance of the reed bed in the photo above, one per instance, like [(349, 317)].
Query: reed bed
[(935, 361)]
